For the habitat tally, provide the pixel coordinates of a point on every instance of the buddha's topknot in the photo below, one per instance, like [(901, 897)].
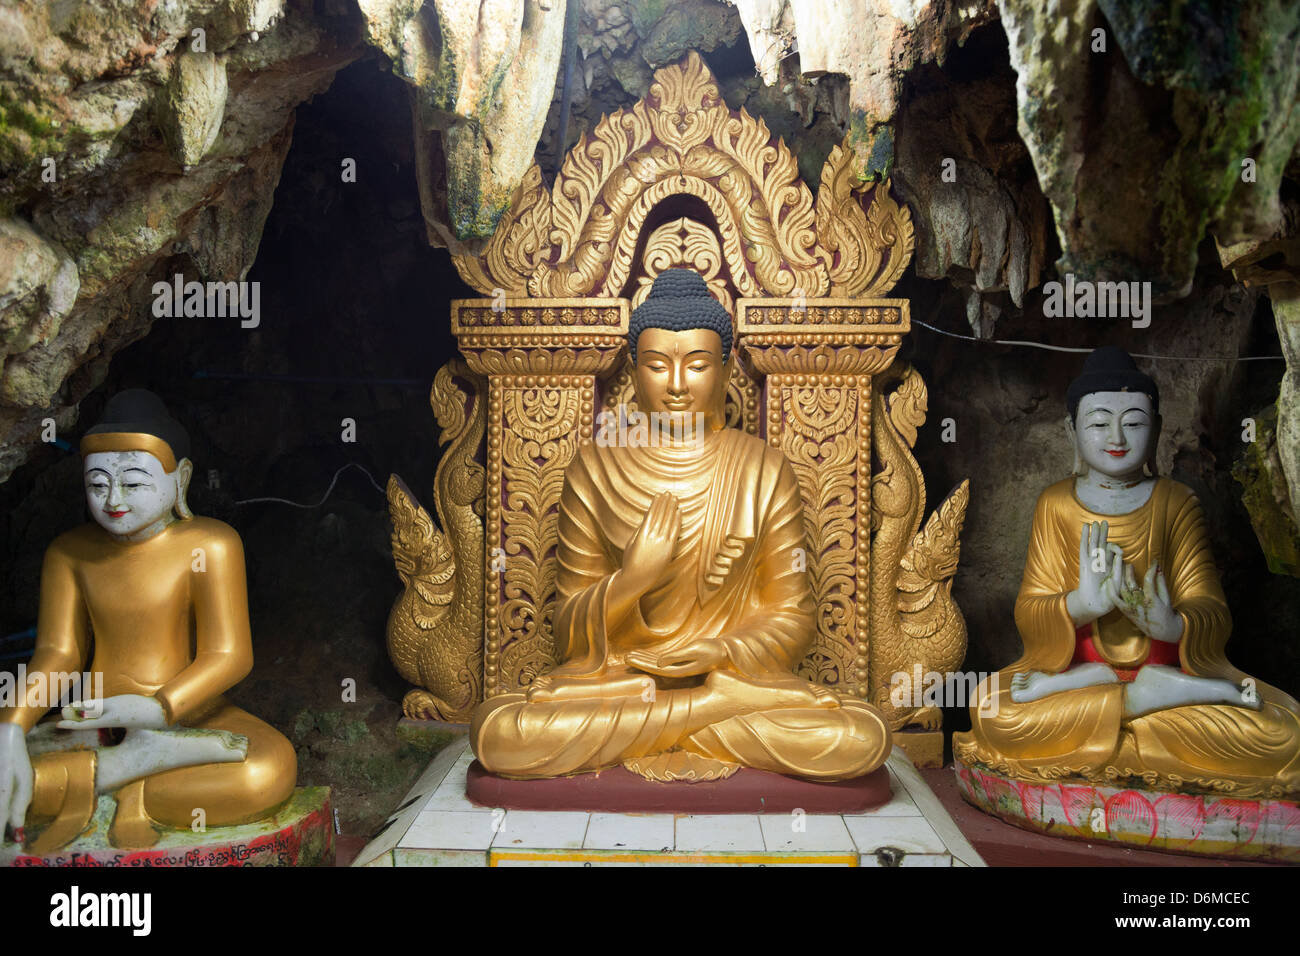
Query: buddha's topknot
[(1109, 368), (140, 411), (680, 300)]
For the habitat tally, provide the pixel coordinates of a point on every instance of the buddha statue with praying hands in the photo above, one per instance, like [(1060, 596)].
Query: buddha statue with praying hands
[(1124, 679), (151, 602), (682, 605)]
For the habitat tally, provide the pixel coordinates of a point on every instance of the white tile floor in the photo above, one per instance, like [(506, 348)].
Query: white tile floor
[(437, 826)]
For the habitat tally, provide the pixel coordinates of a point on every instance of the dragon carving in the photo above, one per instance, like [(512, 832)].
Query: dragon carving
[(435, 629), (914, 619)]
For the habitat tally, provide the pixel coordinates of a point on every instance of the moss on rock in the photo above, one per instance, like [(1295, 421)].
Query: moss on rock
[(683, 27), (1264, 494)]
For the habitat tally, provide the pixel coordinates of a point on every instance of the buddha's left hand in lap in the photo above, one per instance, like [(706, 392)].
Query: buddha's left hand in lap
[(698, 657), (130, 711), (1148, 606)]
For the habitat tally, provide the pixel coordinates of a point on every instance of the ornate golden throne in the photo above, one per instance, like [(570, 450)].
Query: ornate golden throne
[(679, 179)]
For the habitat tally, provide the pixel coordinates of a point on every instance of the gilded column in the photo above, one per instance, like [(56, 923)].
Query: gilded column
[(819, 357), (542, 359)]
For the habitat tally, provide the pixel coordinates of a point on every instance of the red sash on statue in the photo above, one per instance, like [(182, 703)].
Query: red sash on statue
[(1085, 652)]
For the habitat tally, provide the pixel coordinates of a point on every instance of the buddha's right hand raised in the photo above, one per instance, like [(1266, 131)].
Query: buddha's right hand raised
[(1098, 560), (15, 779), (651, 548)]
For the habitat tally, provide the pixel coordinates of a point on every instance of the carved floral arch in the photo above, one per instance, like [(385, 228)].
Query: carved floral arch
[(578, 237)]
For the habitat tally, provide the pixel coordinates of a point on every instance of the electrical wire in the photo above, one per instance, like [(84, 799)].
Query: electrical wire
[(1062, 348), (325, 497)]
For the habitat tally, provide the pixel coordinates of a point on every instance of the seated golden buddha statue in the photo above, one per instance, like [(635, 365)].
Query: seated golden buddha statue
[(682, 607), (1124, 625), (155, 600)]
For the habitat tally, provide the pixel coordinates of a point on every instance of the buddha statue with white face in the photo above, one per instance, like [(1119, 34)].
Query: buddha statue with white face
[(1124, 625), (682, 603), (152, 602)]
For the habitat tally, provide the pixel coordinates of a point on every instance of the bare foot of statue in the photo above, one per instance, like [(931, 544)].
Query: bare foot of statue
[(1035, 685), (46, 738), (144, 752), (1158, 687)]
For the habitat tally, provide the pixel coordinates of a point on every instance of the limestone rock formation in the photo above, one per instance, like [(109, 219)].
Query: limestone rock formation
[(193, 105), (874, 43), (135, 142), (38, 286), (1271, 472), (482, 76), (982, 222), (1286, 308), (123, 161), (1210, 92), (1265, 495)]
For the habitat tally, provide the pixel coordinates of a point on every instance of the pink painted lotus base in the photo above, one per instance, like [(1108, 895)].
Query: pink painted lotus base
[(1203, 824)]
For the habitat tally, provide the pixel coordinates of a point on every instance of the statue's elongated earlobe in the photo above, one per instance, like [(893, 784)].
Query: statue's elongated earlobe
[(184, 471), (1078, 469), (720, 401), (1149, 468)]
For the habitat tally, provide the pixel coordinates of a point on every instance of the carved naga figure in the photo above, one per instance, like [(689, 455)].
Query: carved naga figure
[(914, 620), (435, 630)]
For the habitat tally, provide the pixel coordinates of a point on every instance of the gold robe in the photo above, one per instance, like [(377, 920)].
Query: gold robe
[(166, 617), (734, 578), (1081, 733)]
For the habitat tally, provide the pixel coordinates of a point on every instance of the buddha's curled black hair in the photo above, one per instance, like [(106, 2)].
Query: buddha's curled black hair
[(680, 300)]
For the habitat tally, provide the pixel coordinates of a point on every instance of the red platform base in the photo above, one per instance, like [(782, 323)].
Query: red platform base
[(620, 791)]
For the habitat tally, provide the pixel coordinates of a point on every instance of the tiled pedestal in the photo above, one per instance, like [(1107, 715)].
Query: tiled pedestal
[(437, 826)]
